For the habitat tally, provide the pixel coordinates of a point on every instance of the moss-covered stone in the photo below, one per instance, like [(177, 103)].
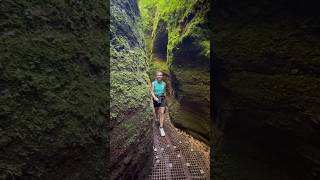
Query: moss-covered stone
[(54, 90), (131, 108)]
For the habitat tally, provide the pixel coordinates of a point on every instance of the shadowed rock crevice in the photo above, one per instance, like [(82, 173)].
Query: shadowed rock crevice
[(188, 53), (160, 41)]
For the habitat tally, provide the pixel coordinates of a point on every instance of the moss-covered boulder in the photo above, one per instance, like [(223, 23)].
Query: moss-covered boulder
[(53, 89), (131, 108), (266, 90)]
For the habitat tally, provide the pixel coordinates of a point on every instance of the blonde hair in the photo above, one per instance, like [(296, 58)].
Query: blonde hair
[(158, 72)]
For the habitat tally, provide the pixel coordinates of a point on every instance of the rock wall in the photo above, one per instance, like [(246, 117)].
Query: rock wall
[(267, 88), (131, 107), (53, 89), (188, 56)]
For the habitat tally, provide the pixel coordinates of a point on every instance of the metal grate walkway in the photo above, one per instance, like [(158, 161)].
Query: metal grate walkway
[(178, 156)]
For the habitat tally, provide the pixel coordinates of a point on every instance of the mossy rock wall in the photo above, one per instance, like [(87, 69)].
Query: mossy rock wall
[(53, 89), (190, 78), (131, 107), (267, 90), (188, 63)]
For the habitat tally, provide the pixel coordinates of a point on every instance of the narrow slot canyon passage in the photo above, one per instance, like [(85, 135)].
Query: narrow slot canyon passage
[(159, 48), (265, 123), (178, 155), (184, 152)]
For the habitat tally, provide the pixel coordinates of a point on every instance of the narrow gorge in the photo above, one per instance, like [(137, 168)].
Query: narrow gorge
[(177, 42), (147, 36)]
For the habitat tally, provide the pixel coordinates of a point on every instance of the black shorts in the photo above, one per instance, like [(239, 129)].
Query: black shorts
[(162, 103)]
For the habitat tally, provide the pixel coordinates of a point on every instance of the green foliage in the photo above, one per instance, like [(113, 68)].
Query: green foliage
[(205, 44), (175, 14), (129, 80), (54, 82), (147, 10)]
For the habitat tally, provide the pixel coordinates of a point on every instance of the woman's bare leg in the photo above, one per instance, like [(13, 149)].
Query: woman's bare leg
[(161, 113), (156, 112)]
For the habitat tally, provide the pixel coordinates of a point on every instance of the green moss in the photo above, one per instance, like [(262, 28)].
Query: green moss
[(175, 14), (190, 111), (205, 44), (130, 107), (128, 93), (129, 80), (158, 64), (193, 123), (53, 90)]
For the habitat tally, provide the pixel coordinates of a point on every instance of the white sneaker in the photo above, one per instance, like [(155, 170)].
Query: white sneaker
[(162, 132)]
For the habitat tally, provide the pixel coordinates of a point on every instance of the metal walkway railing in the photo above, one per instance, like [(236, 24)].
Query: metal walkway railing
[(176, 157)]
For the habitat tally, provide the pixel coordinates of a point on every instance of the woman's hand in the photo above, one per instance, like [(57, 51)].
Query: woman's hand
[(156, 99)]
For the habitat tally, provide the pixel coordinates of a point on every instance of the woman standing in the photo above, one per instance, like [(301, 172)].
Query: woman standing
[(159, 100)]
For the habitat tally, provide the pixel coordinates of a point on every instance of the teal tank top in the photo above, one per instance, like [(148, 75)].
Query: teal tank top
[(159, 87)]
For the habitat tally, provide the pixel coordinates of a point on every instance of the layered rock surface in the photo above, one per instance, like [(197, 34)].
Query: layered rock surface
[(267, 88)]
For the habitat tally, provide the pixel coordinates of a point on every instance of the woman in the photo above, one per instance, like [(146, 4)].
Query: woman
[(158, 94)]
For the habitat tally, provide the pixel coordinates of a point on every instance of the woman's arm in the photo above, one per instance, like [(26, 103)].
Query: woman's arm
[(152, 92)]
